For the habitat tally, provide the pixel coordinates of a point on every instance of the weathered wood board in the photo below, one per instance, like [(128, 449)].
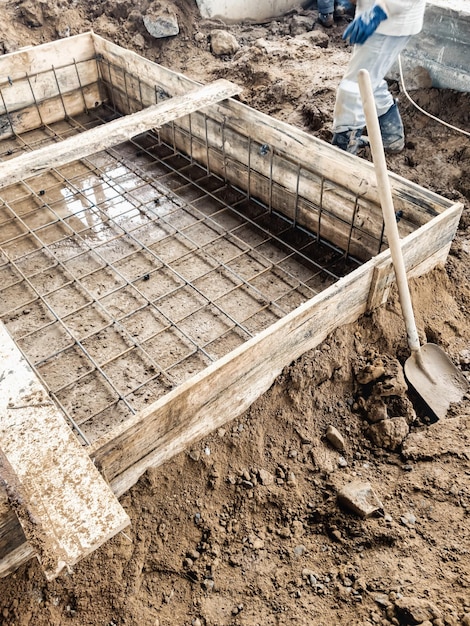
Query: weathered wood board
[(36, 88), (250, 149), (63, 504), (112, 133)]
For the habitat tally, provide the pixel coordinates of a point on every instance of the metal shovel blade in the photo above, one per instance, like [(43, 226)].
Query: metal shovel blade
[(437, 380)]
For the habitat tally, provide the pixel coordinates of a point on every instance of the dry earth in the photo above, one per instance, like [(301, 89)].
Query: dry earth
[(246, 528)]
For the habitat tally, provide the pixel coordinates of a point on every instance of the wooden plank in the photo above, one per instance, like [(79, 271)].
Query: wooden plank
[(244, 149), (53, 110), (352, 173), (65, 507), (305, 190), (231, 151), (443, 229), (111, 134), (38, 59), (22, 92)]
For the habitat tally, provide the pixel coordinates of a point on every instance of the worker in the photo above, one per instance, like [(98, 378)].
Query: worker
[(329, 9), (379, 32)]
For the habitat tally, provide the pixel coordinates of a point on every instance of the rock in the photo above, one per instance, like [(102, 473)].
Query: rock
[(408, 519), (284, 532), (387, 375), (257, 544), (389, 433), (138, 41), (393, 383), (195, 455), (464, 357), (449, 436), (163, 24), (223, 42), (310, 576), (298, 528), (382, 600), (207, 584), (335, 438), (291, 479), (360, 498), (300, 24), (193, 554), (466, 620), (317, 38), (411, 610), (265, 478), (32, 13), (370, 372), (376, 410)]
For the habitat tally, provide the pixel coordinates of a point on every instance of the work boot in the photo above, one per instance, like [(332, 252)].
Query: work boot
[(343, 7), (326, 19), (349, 140), (391, 129)]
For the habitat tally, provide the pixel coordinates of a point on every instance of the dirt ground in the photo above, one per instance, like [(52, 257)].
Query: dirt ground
[(246, 528)]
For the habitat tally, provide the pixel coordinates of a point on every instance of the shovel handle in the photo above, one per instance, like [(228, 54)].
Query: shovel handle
[(386, 201)]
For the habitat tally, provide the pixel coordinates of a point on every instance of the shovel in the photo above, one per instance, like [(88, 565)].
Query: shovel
[(428, 369)]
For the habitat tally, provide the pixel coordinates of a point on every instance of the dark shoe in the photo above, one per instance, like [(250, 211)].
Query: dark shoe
[(391, 129), (326, 19), (349, 140)]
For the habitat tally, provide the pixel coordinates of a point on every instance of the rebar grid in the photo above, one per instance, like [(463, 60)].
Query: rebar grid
[(123, 93), (81, 247), (127, 272)]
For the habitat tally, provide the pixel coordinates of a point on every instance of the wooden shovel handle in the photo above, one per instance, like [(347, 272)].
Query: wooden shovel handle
[(386, 201)]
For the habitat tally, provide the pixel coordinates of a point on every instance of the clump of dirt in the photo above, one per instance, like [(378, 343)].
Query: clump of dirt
[(246, 528)]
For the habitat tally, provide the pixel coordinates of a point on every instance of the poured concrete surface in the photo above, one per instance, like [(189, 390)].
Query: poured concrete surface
[(442, 48), (246, 10)]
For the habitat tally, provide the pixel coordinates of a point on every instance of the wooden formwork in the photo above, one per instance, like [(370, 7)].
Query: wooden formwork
[(321, 193)]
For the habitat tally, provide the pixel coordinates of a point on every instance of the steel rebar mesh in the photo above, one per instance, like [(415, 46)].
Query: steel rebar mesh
[(127, 272)]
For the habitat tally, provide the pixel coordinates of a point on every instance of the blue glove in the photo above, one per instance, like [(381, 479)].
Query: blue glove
[(365, 25)]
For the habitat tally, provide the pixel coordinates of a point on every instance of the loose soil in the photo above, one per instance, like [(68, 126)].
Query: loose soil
[(246, 527)]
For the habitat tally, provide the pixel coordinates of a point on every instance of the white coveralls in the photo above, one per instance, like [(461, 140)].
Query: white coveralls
[(377, 55)]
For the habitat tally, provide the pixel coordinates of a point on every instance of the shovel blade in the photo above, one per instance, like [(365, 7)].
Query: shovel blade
[(437, 380)]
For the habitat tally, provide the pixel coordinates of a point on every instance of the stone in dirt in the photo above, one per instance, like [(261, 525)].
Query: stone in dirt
[(223, 42), (162, 25), (360, 498), (412, 610), (449, 436), (370, 373), (335, 438), (265, 478), (389, 433)]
